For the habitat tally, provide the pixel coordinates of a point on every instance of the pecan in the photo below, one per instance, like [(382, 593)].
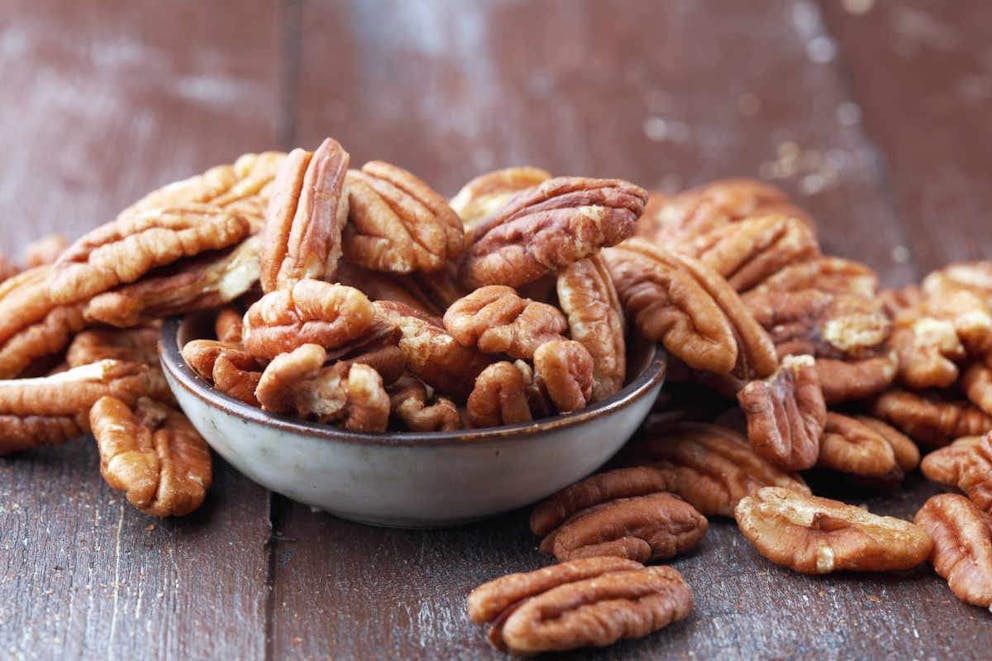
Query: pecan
[(595, 320), (125, 249), (380, 286), (786, 413), (230, 368), (408, 400), (44, 251), (976, 384), (18, 433), (906, 454), (681, 303), (563, 368), (968, 313), (710, 466), (818, 535), (298, 382), (849, 446), (398, 223), (966, 464), (927, 351), (546, 228), (591, 602), (848, 380), (46, 337), (8, 269), (138, 345), (152, 454), (488, 192), (962, 546), (201, 283), (495, 319), (747, 252), (928, 418), (975, 277), (229, 325), (835, 275), (307, 211), (499, 396), (432, 355), (656, 526), (310, 312)]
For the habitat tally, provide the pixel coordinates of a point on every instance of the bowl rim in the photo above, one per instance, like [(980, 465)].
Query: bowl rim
[(184, 377)]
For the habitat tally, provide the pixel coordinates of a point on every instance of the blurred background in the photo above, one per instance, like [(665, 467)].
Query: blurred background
[(872, 109)]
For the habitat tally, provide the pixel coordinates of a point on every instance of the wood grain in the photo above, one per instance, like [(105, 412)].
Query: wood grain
[(102, 103)]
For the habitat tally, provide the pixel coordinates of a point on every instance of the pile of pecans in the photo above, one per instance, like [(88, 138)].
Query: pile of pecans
[(363, 298)]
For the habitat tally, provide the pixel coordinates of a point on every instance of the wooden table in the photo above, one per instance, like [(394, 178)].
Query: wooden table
[(877, 122)]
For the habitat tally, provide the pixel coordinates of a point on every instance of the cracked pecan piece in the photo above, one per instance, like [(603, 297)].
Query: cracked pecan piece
[(488, 192), (44, 251), (307, 211), (432, 355), (815, 535), (564, 370), (711, 467), (748, 252), (152, 454), (125, 249), (675, 300), (495, 319), (850, 446), (310, 312), (928, 418), (656, 526), (298, 382), (592, 602), (408, 399), (595, 320), (548, 227), (786, 413), (398, 223), (962, 546), (201, 283), (965, 464)]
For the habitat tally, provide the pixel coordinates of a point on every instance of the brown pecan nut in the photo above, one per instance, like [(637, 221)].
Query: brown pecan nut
[(966, 464), (749, 251), (499, 396), (297, 382), (44, 251), (380, 286), (835, 275), (18, 433), (962, 546), (563, 368), (46, 337), (230, 368), (125, 249), (710, 466), (398, 223), (786, 413), (675, 300), (546, 228), (138, 345), (8, 269), (229, 326), (975, 277), (928, 418), (307, 210), (495, 319), (849, 446), (487, 193), (152, 454), (201, 283), (408, 400), (656, 526), (432, 355), (591, 602), (310, 312), (818, 535), (976, 384), (849, 380), (928, 350), (595, 320), (906, 454)]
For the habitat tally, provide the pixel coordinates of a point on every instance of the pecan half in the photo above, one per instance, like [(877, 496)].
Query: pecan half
[(835, 275), (229, 326), (409, 402), (307, 210), (201, 283), (976, 384), (297, 382), (681, 303), (786, 413), (818, 535), (546, 228), (499, 396), (656, 526), (849, 380), (974, 277), (710, 466), (125, 249), (230, 368), (581, 603), (488, 192), (397, 222), (380, 286), (138, 345), (849, 446), (966, 464), (595, 320), (45, 337), (928, 350), (962, 546), (19, 433), (904, 450), (564, 368), (152, 454), (44, 250), (310, 312), (495, 319), (930, 419)]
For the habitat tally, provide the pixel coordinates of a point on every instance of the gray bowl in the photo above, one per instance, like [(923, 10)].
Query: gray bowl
[(407, 479)]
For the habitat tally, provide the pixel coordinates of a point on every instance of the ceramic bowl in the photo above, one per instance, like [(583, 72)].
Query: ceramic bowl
[(411, 479)]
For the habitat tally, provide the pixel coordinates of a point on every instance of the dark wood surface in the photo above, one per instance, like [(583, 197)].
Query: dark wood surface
[(876, 122)]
